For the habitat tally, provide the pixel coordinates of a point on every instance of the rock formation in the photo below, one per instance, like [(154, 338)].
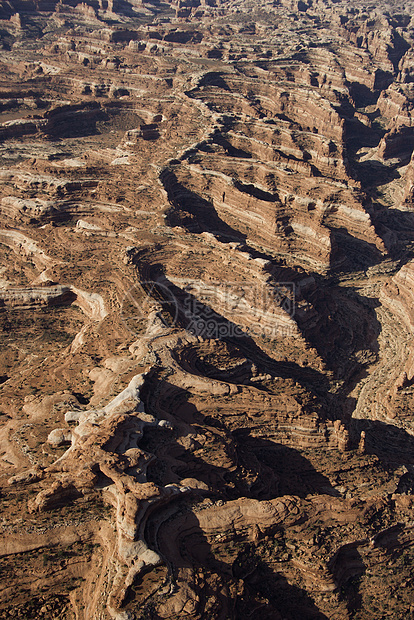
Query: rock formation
[(206, 301)]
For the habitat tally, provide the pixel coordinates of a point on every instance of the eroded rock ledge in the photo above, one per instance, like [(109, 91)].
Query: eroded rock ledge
[(206, 276)]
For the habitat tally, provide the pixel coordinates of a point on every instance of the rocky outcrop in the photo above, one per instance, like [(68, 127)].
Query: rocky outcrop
[(397, 295), (206, 369), (91, 303), (107, 439)]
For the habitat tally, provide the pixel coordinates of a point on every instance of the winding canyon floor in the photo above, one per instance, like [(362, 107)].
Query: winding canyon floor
[(206, 304)]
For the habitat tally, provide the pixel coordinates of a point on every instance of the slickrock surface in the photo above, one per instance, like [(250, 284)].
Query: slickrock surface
[(206, 302)]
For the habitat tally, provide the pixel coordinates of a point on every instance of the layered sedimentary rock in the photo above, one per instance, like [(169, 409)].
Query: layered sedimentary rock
[(206, 370)]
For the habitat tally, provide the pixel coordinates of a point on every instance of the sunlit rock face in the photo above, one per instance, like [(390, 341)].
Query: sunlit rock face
[(206, 303)]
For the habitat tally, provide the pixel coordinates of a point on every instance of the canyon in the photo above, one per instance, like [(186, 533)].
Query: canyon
[(206, 302)]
